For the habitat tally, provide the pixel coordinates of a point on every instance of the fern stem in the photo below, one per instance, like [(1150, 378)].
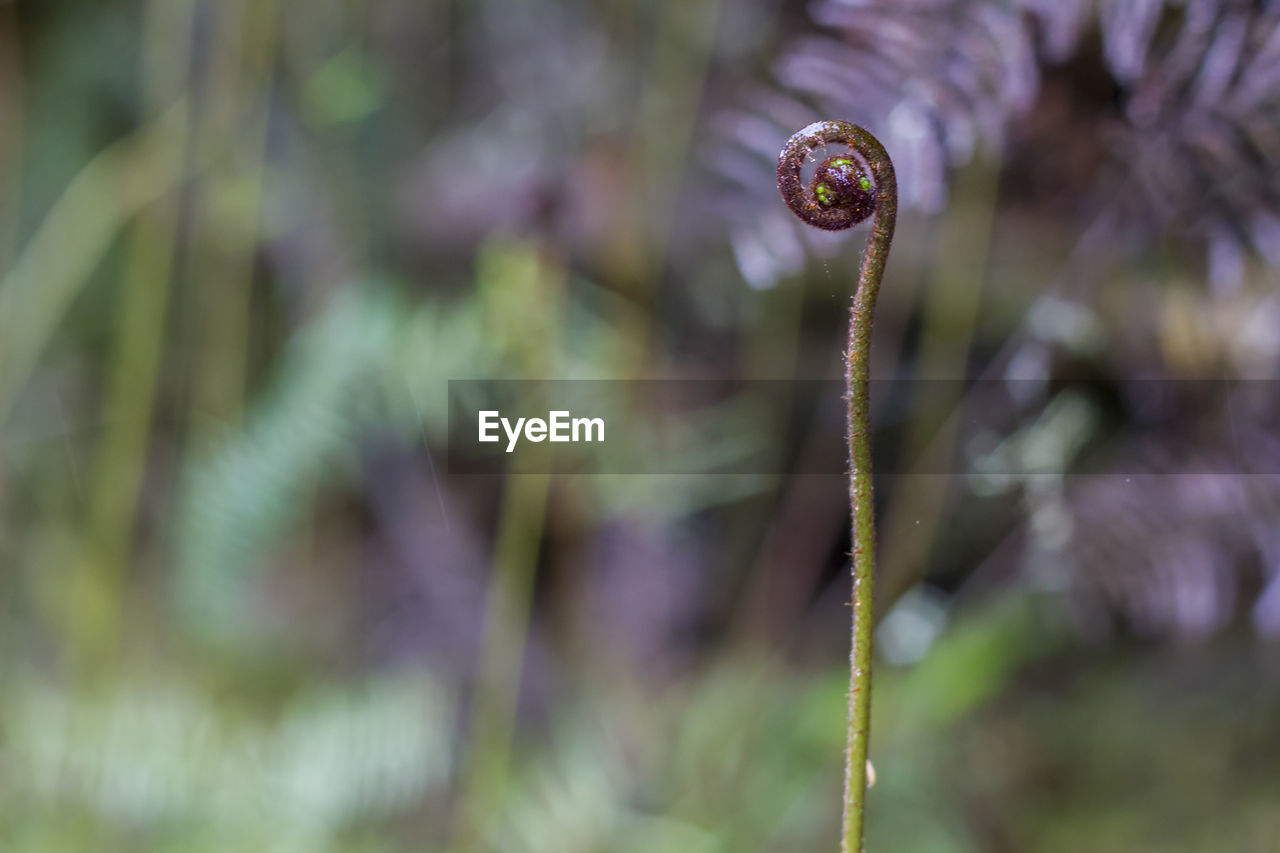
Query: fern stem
[(840, 196)]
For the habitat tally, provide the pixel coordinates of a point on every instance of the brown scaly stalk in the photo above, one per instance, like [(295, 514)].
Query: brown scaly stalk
[(846, 189)]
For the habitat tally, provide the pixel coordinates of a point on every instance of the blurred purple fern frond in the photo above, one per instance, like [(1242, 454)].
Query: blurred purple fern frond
[(1185, 115)]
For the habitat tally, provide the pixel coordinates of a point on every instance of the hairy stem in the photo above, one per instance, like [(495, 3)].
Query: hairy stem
[(862, 505), (840, 196)]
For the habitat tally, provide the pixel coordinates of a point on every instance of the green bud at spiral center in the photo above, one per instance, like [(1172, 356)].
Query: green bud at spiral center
[(842, 182)]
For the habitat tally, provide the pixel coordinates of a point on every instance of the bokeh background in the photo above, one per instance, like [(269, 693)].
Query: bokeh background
[(244, 244)]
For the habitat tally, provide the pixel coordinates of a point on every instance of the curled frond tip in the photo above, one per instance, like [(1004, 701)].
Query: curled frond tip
[(847, 187)]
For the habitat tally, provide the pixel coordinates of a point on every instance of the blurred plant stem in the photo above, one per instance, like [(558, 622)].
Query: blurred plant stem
[(56, 262), (803, 523), (506, 619), (231, 136), (666, 121), (11, 133), (522, 287), (950, 314), (133, 374)]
